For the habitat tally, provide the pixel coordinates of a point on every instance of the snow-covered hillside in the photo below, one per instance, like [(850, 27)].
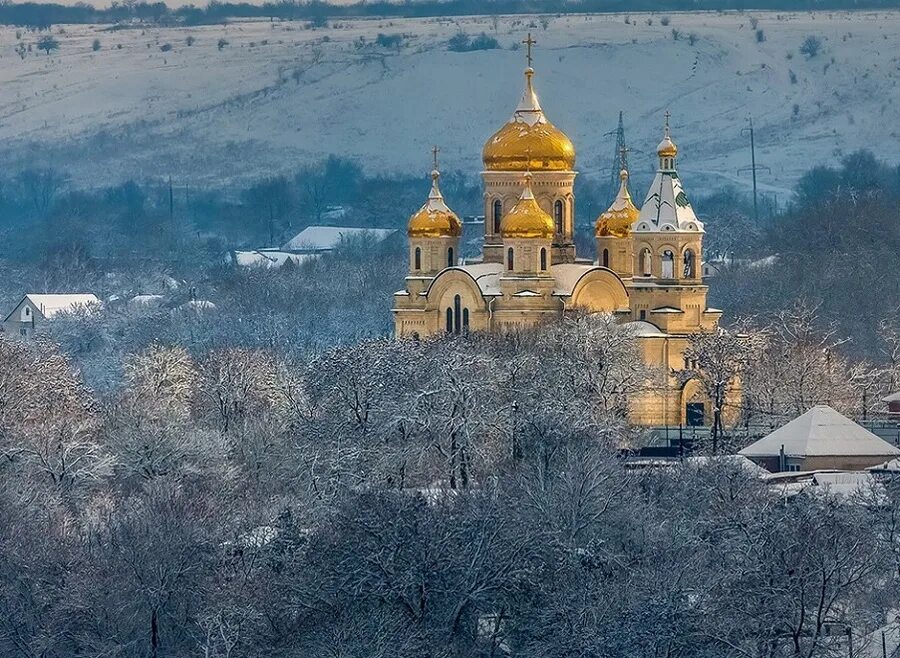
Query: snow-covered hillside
[(278, 95)]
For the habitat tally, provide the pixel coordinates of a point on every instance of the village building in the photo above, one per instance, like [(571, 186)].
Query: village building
[(35, 310), (308, 245), (647, 271), (893, 405), (820, 439)]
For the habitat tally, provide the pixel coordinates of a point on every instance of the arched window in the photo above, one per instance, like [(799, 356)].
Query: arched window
[(558, 216), (689, 264), (418, 258), (457, 314), (668, 265), (449, 320), (646, 262), (450, 261), (543, 260), (497, 215), (510, 263), (606, 258), (466, 320)]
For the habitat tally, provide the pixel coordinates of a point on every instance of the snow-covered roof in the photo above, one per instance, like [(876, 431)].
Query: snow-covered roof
[(644, 329), (51, 304), (666, 207), (567, 276), (821, 431), (666, 309), (844, 483), (326, 238), (267, 258), (893, 397), (199, 305), (486, 275), (892, 466), (738, 461), (147, 300)]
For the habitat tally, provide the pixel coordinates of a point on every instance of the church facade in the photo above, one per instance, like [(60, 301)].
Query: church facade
[(647, 271)]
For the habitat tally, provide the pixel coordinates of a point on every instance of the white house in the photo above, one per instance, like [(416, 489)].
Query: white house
[(36, 309)]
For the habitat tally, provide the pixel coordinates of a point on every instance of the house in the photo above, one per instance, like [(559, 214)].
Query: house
[(36, 309), (893, 404), (322, 239), (820, 439), (268, 258)]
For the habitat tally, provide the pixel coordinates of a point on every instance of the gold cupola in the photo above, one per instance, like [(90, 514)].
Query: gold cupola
[(667, 148), (434, 219), (617, 220), (527, 219), (529, 141)]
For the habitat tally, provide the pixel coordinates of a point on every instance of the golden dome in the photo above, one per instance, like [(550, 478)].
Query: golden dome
[(667, 148), (527, 219), (616, 222), (529, 141), (434, 219)]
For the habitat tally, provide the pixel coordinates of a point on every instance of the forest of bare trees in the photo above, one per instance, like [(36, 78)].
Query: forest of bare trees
[(272, 476), (464, 496)]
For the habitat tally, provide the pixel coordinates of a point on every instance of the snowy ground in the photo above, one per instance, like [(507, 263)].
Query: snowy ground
[(278, 95)]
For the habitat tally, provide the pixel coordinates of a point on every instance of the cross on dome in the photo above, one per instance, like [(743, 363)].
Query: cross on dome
[(434, 153), (529, 42)]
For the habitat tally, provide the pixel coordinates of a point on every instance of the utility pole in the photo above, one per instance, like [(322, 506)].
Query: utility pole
[(753, 168)]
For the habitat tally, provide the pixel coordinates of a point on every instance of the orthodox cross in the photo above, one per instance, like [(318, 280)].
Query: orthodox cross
[(668, 114), (529, 42), (434, 153)]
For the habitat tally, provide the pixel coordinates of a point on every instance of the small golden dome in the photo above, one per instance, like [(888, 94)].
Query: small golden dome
[(616, 222), (434, 219), (527, 219), (529, 141), (667, 148)]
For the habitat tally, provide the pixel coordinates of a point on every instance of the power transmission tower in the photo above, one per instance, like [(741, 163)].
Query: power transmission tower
[(620, 157), (753, 168)]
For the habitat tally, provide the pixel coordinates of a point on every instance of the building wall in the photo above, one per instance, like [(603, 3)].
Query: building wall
[(24, 320)]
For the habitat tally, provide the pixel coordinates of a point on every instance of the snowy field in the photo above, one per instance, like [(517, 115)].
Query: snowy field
[(278, 95)]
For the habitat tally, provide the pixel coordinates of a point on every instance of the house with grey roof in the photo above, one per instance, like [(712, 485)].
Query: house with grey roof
[(820, 439)]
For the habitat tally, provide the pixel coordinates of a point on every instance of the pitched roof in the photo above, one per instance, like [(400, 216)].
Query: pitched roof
[(821, 431), (50, 305), (324, 238)]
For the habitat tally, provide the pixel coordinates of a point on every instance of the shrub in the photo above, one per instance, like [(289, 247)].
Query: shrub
[(189, 41), (222, 43), (792, 76), (166, 47), (675, 34), (811, 46), (796, 110), (692, 38), (665, 20), (754, 21), (389, 40), (461, 43), (760, 36), (95, 46)]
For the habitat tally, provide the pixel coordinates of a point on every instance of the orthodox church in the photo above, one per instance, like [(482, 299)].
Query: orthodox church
[(647, 272)]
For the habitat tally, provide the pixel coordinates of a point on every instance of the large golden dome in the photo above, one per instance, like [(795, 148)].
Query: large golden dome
[(527, 219), (434, 219), (529, 141), (617, 220)]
